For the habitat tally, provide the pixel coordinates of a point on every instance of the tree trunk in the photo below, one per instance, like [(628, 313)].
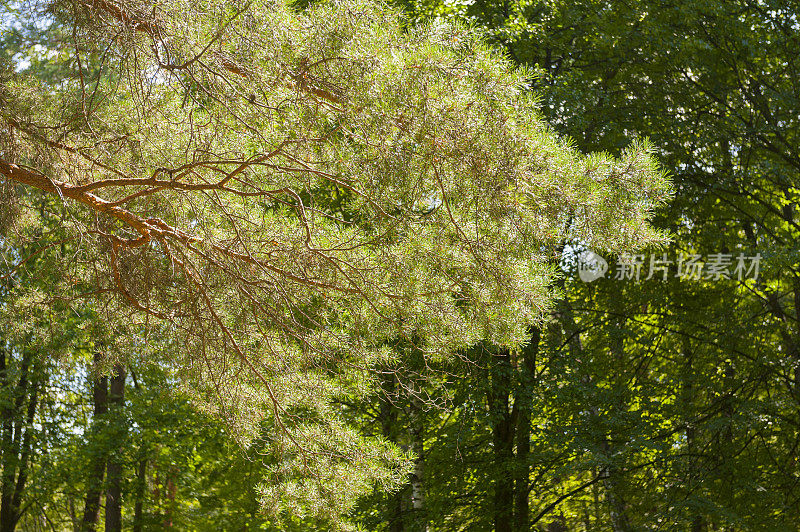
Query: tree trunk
[(522, 404), (503, 439), (141, 476), (94, 489), (7, 442), (141, 481), (16, 447), (619, 513), (389, 426), (522, 472), (17, 439), (116, 401), (25, 456), (416, 432), (170, 490)]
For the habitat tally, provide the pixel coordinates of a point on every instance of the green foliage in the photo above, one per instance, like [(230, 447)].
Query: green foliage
[(658, 404), (286, 192)]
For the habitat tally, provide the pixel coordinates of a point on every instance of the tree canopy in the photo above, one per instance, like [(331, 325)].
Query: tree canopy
[(285, 194)]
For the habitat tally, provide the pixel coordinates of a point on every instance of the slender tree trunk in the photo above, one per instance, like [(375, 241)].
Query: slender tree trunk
[(619, 513), (25, 456), (116, 401), (15, 455), (416, 431), (170, 491), (522, 472), (389, 425), (522, 404), (141, 481), (503, 440), (141, 476), (7, 447), (94, 490)]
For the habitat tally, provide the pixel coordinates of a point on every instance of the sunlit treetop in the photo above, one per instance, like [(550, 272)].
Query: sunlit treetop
[(289, 193)]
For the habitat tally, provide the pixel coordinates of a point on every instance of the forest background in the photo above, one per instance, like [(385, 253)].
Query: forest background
[(669, 402)]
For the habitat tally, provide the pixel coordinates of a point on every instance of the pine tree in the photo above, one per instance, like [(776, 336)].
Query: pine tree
[(286, 192)]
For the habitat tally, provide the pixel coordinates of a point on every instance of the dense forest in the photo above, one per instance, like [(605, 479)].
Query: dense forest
[(417, 266)]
